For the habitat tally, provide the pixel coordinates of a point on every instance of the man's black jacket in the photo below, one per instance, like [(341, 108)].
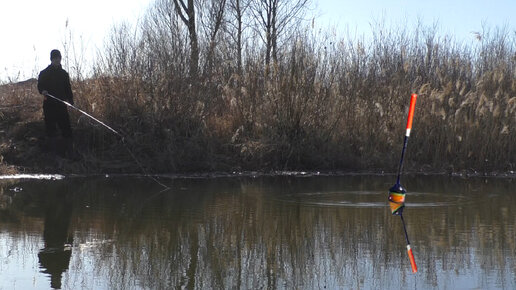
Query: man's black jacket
[(56, 81)]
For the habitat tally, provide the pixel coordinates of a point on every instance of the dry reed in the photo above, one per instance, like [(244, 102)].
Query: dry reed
[(325, 104)]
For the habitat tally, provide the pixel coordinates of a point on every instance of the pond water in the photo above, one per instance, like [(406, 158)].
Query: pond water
[(266, 232)]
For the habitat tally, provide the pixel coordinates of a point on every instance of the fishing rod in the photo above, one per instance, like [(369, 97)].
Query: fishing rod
[(397, 192), (122, 138)]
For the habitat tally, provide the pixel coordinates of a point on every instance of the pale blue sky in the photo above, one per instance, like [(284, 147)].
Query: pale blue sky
[(31, 28), (457, 18)]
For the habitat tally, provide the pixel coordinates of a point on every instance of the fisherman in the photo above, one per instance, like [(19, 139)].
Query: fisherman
[(55, 81)]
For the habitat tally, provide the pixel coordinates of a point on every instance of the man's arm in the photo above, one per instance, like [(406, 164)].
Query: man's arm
[(42, 87), (68, 88)]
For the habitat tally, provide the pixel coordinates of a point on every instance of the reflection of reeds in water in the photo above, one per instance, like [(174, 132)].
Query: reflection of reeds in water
[(242, 234)]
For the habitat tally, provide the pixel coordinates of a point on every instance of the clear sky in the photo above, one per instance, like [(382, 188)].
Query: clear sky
[(458, 18), (31, 28)]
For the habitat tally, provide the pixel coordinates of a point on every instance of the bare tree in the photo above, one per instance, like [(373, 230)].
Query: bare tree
[(273, 19), (212, 22), (187, 14), (238, 9)]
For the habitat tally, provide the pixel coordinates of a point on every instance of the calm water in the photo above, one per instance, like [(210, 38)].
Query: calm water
[(256, 233)]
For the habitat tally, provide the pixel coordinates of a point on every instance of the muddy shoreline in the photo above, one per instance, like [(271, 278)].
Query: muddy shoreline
[(22, 151)]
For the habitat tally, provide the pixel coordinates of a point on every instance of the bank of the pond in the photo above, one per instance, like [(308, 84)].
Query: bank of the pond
[(163, 148)]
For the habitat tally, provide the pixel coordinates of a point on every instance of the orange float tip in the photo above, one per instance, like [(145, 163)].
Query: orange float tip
[(412, 260), (413, 99)]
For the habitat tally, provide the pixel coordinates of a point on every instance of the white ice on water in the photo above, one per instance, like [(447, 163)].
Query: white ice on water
[(33, 176)]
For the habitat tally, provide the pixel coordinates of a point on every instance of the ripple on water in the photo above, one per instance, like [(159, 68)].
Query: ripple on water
[(370, 199)]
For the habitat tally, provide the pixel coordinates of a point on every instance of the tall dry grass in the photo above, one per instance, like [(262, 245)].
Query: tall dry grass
[(327, 103)]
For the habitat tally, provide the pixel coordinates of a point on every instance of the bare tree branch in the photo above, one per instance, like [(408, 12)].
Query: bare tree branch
[(273, 20), (179, 11)]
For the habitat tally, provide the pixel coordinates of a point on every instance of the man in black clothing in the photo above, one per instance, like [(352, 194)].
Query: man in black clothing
[(54, 80)]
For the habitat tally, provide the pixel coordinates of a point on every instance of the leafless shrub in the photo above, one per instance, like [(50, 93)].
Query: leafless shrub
[(319, 102)]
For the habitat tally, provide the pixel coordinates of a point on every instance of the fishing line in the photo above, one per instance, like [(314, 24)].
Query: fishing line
[(117, 134)]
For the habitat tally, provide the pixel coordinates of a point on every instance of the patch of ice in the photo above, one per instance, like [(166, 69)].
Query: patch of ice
[(33, 176)]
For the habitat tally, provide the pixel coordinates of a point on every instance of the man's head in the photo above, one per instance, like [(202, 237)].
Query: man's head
[(55, 57)]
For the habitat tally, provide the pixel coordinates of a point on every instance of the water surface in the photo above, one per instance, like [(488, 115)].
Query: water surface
[(269, 232)]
